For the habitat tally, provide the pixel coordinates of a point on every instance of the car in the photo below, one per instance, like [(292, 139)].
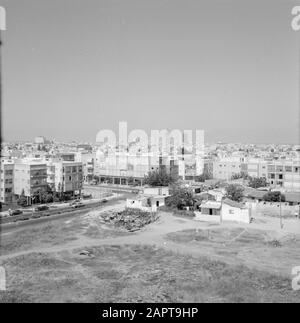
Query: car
[(87, 196), (41, 208), (104, 201), (36, 216), (16, 212), (77, 205), (74, 202)]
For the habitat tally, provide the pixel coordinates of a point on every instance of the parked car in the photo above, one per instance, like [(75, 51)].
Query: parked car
[(16, 212), (87, 196), (74, 202), (41, 208), (77, 205), (36, 216)]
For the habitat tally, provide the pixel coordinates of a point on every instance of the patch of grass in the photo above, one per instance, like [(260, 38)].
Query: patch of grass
[(138, 273), (57, 232)]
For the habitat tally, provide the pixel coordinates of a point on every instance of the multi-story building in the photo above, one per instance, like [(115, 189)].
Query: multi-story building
[(121, 167), (227, 167), (30, 176), (279, 173), (7, 181), (88, 160), (68, 176), (284, 174)]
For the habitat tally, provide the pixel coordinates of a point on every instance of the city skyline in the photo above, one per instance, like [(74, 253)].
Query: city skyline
[(199, 65)]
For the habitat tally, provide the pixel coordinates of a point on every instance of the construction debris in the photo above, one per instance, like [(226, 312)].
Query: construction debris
[(130, 219)]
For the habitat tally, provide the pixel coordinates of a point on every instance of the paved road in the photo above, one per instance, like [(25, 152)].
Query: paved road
[(101, 188), (66, 213)]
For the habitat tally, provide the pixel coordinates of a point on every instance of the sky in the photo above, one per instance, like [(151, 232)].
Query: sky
[(74, 67)]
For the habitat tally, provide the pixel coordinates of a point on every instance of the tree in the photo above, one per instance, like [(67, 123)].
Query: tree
[(130, 180), (240, 175), (236, 176), (44, 195), (159, 178), (96, 178), (235, 192), (22, 200), (274, 197), (204, 176), (256, 182), (180, 198)]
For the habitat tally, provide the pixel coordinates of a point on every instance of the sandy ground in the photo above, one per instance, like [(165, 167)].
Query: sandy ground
[(253, 255)]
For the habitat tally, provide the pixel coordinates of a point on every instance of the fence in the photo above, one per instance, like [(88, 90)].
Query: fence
[(273, 209)]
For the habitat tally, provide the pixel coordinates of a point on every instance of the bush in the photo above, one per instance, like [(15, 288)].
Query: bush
[(274, 197), (184, 213)]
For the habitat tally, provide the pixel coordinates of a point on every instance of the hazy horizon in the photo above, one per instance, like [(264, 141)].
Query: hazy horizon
[(73, 67)]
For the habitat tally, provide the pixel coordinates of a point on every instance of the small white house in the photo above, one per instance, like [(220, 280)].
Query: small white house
[(157, 195), (141, 203), (226, 210), (234, 211)]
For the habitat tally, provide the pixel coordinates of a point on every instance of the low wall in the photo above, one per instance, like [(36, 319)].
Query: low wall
[(273, 209)]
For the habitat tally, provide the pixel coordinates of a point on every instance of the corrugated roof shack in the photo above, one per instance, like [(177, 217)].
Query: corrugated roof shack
[(210, 208)]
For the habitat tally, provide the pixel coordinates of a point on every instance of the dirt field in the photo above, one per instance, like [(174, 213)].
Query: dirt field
[(136, 273), (171, 260)]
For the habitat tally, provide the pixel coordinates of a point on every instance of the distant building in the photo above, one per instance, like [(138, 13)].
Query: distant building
[(40, 140), (88, 165), (30, 176), (68, 176), (121, 167), (278, 173), (7, 181), (66, 156)]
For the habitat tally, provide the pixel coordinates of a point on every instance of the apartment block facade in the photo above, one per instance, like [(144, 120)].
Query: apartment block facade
[(30, 176), (68, 176), (279, 173), (7, 182)]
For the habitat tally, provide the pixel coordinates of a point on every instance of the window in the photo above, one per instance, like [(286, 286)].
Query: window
[(231, 211), (279, 168), (271, 168), (288, 168)]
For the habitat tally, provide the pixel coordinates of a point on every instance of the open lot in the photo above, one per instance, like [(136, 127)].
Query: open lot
[(171, 260), (136, 273)]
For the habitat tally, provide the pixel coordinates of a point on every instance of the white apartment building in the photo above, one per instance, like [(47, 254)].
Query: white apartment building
[(7, 181), (68, 176), (88, 164), (30, 176), (284, 174), (279, 173), (225, 168)]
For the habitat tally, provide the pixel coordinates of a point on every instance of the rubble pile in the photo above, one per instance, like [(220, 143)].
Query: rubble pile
[(130, 219)]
